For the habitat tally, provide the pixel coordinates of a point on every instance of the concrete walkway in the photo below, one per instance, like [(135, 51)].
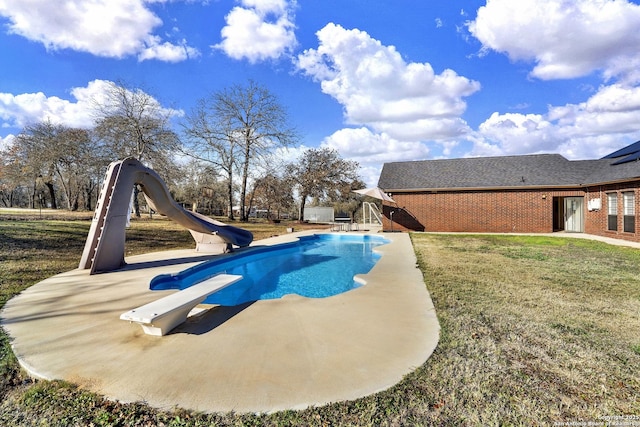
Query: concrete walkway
[(609, 240), (270, 355)]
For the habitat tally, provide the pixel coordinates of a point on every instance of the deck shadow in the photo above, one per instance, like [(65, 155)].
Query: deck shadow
[(210, 320), (164, 263)]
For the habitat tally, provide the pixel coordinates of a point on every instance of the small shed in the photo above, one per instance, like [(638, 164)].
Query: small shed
[(318, 214)]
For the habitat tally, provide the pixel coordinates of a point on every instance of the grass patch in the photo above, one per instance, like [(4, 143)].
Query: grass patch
[(535, 330)]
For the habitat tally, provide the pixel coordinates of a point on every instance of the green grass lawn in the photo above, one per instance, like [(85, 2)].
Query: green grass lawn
[(535, 330)]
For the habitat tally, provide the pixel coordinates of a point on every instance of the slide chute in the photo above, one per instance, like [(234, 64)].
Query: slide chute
[(104, 248)]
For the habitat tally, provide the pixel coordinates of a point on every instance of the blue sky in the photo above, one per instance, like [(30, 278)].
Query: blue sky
[(379, 81)]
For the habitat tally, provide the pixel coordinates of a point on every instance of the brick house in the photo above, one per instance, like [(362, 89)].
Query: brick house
[(539, 193)]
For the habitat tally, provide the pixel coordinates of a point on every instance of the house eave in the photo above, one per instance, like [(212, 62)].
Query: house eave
[(509, 188), (616, 181), (458, 189)]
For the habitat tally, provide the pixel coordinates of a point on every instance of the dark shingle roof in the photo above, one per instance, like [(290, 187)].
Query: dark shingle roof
[(612, 170), (539, 170)]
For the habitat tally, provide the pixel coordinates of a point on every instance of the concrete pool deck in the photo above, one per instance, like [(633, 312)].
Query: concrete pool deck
[(265, 356)]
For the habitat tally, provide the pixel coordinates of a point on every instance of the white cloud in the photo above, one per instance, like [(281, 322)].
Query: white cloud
[(519, 133), (265, 7), (23, 109), (566, 39), (6, 142), (108, 28), (371, 150), (364, 146), (614, 99), (287, 155), (606, 121), (168, 52), (378, 89), (259, 30)]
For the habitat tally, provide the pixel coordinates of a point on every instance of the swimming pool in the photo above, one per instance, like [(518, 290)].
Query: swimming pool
[(316, 266)]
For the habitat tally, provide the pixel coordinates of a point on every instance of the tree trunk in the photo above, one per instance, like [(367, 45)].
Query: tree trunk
[(66, 189), (136, 204), (251, 199), (303, 202), (230, 194), (87, 198), (245, 173), (32, 199), (52, 194)]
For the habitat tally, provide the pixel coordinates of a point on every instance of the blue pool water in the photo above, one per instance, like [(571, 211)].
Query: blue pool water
[(316, 266)]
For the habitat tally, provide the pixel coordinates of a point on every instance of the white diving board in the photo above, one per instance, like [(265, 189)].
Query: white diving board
[(161, 316)]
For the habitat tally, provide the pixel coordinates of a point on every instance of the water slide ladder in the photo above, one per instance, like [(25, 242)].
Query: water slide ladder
[(98, 223)]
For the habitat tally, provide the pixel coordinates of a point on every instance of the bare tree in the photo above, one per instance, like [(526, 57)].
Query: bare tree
[(94, 164), (322, 173), (36, 146), (234, 129), (200, 186), (72, 152), (132, 123), (208, 143), (56, 156), (345, 200), (272, 192), (12, 183)]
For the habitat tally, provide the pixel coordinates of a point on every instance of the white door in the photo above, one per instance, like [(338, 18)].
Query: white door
[(574, 214)]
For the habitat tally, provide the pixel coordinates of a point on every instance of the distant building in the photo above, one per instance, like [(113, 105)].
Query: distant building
[(539, 193), (318, 214)]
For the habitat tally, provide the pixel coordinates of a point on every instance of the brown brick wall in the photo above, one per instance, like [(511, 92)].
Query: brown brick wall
[(597, 221), (514, 211)]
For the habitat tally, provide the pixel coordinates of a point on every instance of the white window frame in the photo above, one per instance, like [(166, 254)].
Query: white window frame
[(612, 203), (612, 211), (629, 201), (629, 211)]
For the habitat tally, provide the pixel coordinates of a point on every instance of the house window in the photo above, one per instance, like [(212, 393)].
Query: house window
[(612, 211), (629, 200)]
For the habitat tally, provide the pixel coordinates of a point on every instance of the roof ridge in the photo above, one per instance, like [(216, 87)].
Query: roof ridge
[(480, 158)]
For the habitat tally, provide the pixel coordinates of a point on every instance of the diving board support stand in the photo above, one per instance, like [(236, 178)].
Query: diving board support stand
[(161, 316)]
